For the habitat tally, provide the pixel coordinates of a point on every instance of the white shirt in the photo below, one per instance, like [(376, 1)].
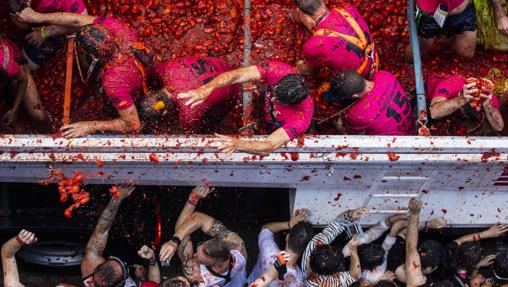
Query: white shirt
[(238, 273), (268, 249)]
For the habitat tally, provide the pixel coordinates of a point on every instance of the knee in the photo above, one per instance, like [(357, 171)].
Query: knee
[(467, 52)]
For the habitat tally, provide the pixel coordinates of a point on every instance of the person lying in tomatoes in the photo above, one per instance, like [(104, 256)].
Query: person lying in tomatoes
[(288, 107), (44, 41), (461, 106), (377, 107), (112, 45), (16, 79), (173, 77), (341, 39)]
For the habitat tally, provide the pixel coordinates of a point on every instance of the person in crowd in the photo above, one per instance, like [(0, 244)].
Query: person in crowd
[(456, 19), (113, 46), (288, 106), (277, 271), (153, 278), (373, 256), (181, 75), (20, 85), (454, 103), (489, 14), (379, 107), (9, 250), (341, 39), (220, 261), (464, 254), (495, 275), (96, 270), (44, 41), (322, 263), (413, 266), (300, 233)]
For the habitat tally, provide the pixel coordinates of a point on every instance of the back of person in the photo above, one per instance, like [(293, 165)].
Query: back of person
[(185, 74), (386, 110), (336, 52), (125, 37), (49, 6)]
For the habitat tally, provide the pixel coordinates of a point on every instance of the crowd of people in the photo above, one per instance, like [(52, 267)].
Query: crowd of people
[(388, 254), (141, 89)]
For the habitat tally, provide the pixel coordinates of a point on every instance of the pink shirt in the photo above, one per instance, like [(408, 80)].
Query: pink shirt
[(430, 6), (125, 36), (122, 82), (386, 110), (335, 52), (48, 6), (294, 119), (449, 87), (8, 54), (185, 74)]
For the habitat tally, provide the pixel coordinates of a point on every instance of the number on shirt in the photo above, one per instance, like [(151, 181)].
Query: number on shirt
[(400, 101)]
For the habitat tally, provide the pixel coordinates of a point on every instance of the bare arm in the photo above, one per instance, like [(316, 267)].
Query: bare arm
[(493, 116), (413, 264), (441, 107), (59, 18), (97, 242), (493, 232), (128, 122), (154, 273), (238, 76), (355, 269), (197, 194), (9, 250), (260, 147), (298, 216), (190, 266), (19, 93), (264, 280)]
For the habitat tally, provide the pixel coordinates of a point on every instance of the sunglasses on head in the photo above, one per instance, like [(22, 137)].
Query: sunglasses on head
[(125, 273)]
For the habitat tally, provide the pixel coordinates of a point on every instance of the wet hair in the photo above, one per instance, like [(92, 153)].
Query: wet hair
[(385, 283), (146, 109), (347, 83), (468, 255), (291, 90), (95, 39), (17, 5), (173, 282), (299, 236), (501, 266), (371, 256), (309, 7), (106, 274), (326, 260), (431, 253), (444, 283), (217, 249)]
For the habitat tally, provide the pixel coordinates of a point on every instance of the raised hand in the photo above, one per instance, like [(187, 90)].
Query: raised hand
[(299, 216), (358, 213), (26, 237)]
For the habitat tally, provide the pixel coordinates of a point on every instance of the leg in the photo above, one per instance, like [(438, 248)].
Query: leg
[(465, 43), (33, 106), (425, 45), (428, 30)]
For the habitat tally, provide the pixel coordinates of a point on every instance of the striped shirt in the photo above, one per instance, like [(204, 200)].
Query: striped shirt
[(339, 279)]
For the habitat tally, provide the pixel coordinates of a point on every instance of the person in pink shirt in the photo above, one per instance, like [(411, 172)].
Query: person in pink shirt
[(288, 107), (341, 39), (182, 75), (381, 108), (14, 74), (114, 47), (450, 99), (44, 41), (454, 18)]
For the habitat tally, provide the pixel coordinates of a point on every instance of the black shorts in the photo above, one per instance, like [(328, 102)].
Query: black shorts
[(40, 55), (455, 24)]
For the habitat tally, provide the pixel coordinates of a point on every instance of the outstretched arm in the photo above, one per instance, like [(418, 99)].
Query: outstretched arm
[(97, 242), (260, 147), (28, 15), (9, 250), (413, 264), (276, 227), (493, 232), (238, 76), (198, 193), (128, 122), (355, 269)]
